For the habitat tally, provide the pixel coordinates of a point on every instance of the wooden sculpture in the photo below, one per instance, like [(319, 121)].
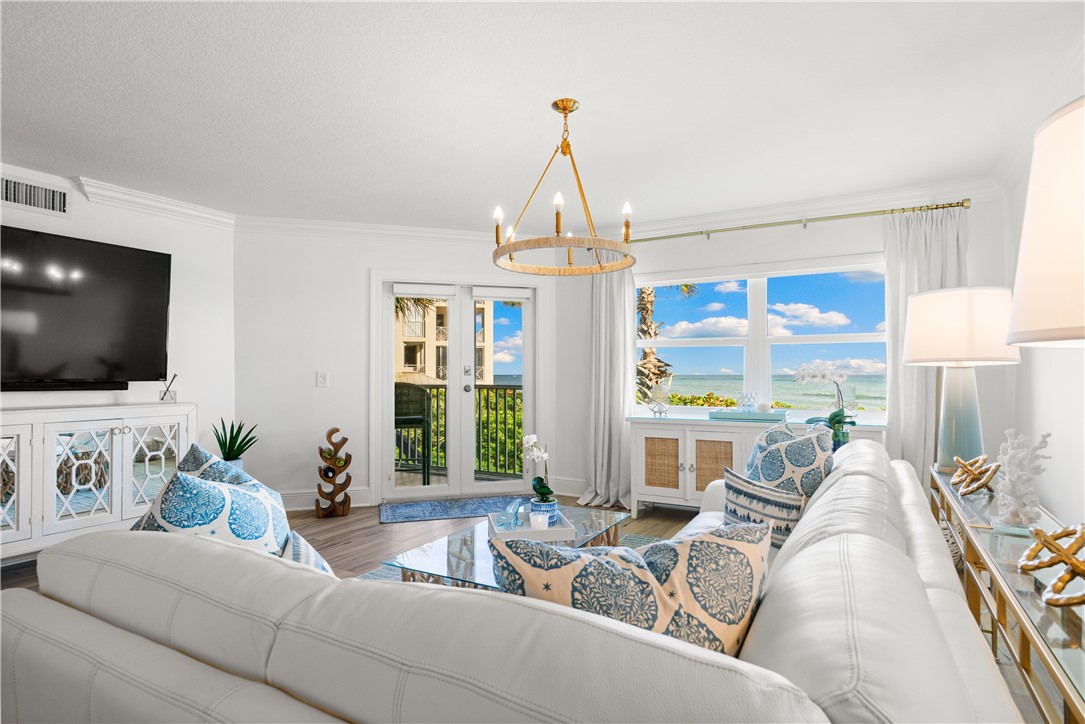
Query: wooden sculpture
[(974, 474), (332, 466), (1069, 556)]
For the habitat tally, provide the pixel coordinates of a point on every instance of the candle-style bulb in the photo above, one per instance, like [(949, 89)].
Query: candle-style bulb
[(559, 203), (509, 234), (626, 211), (499, 216)]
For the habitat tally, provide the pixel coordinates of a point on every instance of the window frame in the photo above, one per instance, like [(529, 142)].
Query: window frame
[(757, 344)]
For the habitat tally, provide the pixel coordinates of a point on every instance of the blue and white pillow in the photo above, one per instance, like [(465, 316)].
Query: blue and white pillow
[(241, 514), (208, 466), (301, 551), (780, 432), (797, 466), (748, 501)]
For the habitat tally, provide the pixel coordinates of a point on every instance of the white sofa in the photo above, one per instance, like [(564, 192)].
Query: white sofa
[(862, 619)]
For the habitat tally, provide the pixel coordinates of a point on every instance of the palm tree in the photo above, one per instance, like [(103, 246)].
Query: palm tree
[(651, 370), (421, 304)]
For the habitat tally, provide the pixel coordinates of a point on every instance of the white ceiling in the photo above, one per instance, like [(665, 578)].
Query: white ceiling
[(430, 114)]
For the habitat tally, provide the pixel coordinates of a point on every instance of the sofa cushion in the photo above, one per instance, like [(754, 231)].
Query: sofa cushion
[(301, 551), (701, 590), (751, 502), (240, 514), (797, 466), (849, 621), (780, 432), (214, 601), (388, 651)]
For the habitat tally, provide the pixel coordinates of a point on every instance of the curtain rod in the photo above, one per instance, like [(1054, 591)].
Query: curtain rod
[(964, 204)]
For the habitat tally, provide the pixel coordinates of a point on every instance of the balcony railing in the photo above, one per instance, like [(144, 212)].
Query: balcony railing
[(499, 429), (442, 334), (414, 328)]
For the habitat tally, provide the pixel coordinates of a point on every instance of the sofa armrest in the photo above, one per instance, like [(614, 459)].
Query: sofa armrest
[(714, 496)]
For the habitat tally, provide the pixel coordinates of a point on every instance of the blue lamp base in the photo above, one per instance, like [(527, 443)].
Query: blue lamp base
[(959, 431)]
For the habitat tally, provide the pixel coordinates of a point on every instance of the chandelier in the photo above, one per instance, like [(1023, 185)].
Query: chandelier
[(582, 252)]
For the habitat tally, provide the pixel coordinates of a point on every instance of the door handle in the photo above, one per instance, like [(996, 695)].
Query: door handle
[(116, 431), (692, 467), (127, 429), (681, 467), (467, 388)]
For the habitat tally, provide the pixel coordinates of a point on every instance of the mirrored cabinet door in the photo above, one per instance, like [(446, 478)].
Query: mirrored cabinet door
[(151, 455), (15, 512), (82, 474)]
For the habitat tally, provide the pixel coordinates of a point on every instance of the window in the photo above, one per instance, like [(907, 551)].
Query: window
[(414, 357), (720, 339)]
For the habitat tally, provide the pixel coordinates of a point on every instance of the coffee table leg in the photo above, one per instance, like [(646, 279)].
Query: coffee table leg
[(606, 538)]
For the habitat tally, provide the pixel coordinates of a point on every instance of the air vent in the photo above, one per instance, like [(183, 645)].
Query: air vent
[(36, 198)]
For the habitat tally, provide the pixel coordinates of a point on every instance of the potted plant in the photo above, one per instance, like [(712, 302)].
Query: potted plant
[(544, 501), (234, 442), (839, 420)]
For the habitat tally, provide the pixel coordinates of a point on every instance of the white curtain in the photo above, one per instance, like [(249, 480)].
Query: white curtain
[(923, 251), (610, 393)]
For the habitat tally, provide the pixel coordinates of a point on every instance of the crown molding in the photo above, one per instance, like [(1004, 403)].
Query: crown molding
[(359, 231), (973, 188), (99, 192)]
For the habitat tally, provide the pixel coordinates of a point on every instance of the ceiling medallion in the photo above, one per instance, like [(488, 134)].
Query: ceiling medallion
[(617, 254)]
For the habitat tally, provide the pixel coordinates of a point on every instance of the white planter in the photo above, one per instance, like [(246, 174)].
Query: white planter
[(239, 463)]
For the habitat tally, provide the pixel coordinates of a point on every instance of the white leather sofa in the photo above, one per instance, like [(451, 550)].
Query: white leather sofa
[(862, 620)]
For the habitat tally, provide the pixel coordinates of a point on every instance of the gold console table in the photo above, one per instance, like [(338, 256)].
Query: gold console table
[(1044, 642)]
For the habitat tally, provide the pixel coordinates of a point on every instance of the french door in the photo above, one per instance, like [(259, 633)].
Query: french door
[(458, 393)]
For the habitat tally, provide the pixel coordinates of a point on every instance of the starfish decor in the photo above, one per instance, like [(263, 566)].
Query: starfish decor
[(1069, 555), (974, 474)]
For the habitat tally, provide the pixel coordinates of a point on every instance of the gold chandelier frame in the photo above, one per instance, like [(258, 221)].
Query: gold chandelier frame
[(504, 254)]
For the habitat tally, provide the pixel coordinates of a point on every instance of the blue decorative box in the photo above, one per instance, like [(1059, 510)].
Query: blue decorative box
[(736, 415)]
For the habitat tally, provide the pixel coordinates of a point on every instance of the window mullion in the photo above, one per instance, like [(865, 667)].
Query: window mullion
[(758, 375)]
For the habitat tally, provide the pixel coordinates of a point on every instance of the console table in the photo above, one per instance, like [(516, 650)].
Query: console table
[(1044, 642)]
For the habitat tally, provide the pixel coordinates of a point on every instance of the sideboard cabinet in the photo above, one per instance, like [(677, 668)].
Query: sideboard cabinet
[(676, 457), (67, 470)]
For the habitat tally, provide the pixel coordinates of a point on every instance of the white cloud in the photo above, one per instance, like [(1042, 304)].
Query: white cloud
[(778, 326), (807, 315), (729, 286), (850, 365), (713, 306), (727, 371), (504, 357), (865, 275), (506, 350), (880, 327), (707, 327), (502, 320), (784, 371)]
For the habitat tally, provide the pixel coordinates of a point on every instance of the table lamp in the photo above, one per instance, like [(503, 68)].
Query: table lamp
[(1049, 291), (959, 330)]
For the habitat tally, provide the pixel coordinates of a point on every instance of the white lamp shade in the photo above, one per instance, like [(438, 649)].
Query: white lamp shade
[(1049, 291), (963, 327)]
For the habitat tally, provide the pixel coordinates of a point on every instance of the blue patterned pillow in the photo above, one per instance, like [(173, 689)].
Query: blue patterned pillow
[(797, 466), (301, 551), (702, 590), (748, 501), (208, 466), (241, 514), (780, 432)]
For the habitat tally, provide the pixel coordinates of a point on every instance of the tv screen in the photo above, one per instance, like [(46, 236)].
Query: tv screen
[(80, 314)]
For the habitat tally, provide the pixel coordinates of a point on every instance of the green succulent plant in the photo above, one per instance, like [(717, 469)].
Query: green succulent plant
[(234, 442)]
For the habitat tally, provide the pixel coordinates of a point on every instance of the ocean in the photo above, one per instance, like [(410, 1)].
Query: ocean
[(867, 390)]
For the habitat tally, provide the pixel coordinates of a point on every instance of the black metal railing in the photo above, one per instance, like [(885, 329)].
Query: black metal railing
[(499, 429)]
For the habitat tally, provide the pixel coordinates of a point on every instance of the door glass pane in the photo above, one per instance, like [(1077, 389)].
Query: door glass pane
[(420, 337), (82, 474), (9, 466), (499, 393), (863, 363), (154, 460), (835, 303)]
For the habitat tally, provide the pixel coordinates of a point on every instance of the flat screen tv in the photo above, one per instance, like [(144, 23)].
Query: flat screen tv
[(78, 314)]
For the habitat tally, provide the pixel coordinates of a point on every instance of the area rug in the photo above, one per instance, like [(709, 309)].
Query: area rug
[(391, 573), (447, 508)]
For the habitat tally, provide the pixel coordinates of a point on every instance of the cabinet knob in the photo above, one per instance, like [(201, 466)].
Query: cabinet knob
[(681, 467), (116, 431), (692, 467), (127, 429)]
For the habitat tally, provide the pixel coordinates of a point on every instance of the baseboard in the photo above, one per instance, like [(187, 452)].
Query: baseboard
[(568, 486), (304, 499)]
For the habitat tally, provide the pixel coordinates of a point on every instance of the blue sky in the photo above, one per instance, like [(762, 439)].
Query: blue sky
[(832, 303), (508, 339)]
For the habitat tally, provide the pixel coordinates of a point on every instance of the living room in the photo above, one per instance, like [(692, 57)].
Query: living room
[(318, 183)]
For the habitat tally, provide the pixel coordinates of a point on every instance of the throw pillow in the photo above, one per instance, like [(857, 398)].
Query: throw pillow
[(702, 590), (797, 466), (240, 514), (301, 551), (780, 432), (208, 466), (748, 501)]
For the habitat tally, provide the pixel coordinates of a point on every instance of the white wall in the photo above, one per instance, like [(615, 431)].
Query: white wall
[(303, 303), (201, 349)]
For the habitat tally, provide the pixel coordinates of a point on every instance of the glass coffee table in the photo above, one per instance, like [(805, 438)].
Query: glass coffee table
[(463, 558)]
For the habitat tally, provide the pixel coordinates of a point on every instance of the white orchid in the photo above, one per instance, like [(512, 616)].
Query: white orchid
[(533, 450), (823, 373)]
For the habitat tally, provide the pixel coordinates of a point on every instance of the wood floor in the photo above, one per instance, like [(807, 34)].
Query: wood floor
[(357, 543)]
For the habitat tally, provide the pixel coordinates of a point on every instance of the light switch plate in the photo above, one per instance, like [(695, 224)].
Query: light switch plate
[(321, 379)]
